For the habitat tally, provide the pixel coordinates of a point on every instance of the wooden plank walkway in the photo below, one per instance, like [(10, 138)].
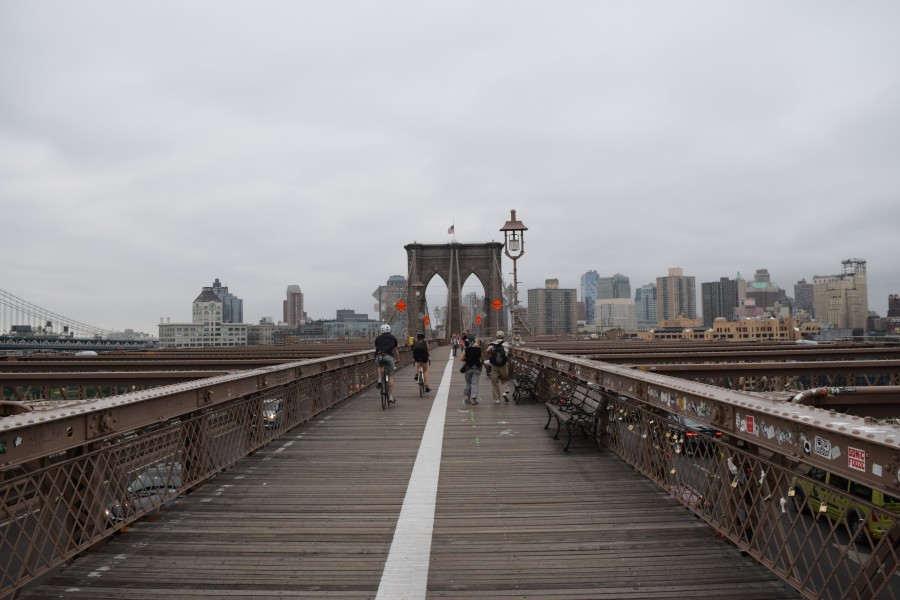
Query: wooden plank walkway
[(313, 515)]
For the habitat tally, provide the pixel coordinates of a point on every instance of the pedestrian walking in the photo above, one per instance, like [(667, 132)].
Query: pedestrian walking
[(497, 355), (471, 357)]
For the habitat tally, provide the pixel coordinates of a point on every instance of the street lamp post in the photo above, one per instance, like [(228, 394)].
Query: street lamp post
[(514, 247)]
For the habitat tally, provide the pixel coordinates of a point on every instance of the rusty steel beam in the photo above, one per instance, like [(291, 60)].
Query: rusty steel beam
[(222, 359), (744, 356), (698, 351), (72, 366), (863, 451), (33, 387), (27, 437), (104, 378), (161, 377), (284, 351), (786, 375), (688, 370)]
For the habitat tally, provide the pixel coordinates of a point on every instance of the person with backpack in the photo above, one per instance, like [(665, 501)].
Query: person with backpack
[(471, 356), (498, 356)]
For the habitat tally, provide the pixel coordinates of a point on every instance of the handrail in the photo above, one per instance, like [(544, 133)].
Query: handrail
[(66, 472), (855, 447), (828, 536), (53, 430)]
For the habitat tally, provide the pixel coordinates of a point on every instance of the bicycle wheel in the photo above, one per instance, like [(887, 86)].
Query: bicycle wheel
[(384, 391), (421, 382)]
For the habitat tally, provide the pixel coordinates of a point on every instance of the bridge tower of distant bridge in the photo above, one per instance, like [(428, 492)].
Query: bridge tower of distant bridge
[(454, 263)]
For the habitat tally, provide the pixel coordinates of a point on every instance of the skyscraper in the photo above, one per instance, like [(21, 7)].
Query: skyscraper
[(232, 306), (721, 298), (893, 305), (617, 286), (551, 310), (676, 296), (804, 296), (589, 294), (293, 306), (645, 306), (843, 300)]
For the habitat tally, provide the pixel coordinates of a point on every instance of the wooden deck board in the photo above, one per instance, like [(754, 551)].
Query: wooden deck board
[(312, 515)]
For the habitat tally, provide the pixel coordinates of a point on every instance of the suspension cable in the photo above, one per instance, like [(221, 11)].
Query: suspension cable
[(14, 304)]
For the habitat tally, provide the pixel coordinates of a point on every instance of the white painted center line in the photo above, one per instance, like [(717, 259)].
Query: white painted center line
[(405, 573)]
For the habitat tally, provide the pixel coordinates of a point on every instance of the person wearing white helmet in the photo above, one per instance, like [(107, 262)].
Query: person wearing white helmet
[(386, 349)]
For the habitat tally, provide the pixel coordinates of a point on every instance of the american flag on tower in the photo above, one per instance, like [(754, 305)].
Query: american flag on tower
[(449, 231)]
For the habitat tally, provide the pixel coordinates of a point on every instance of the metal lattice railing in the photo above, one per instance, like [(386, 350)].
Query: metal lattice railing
[(825, 541), (55, 507), (824, 534)]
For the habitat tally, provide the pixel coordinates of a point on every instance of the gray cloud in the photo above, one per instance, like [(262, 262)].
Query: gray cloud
[(148, 148)]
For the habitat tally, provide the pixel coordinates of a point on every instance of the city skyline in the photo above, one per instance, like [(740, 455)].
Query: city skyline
[(308, 144), (470, 288)]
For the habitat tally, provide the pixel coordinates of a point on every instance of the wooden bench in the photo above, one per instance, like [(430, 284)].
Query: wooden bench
[(525, 381), (578, 409)]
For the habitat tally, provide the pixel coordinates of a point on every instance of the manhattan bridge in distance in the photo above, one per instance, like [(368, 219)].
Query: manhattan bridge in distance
[(25, 326)]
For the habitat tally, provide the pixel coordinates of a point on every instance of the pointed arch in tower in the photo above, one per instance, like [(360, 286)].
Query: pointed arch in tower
[(454, 263)]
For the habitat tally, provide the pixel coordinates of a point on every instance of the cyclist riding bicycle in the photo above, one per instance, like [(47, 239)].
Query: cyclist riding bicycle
[(385, 351), (422, 358)]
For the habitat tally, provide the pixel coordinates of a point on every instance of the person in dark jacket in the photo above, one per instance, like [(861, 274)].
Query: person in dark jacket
[(472, 358), (421, 357), (385, 352)]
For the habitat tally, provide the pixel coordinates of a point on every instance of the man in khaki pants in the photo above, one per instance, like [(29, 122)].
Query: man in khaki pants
[(497, 355)]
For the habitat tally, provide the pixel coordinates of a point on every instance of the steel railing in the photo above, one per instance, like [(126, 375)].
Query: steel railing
[(70, 477), (825, 534)]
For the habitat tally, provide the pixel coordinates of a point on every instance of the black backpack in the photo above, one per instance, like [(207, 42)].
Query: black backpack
[(498, 355)]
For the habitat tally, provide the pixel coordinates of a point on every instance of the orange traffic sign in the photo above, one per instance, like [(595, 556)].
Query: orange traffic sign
[(478, 319), (401, 305), (497, 304), (426, 320)]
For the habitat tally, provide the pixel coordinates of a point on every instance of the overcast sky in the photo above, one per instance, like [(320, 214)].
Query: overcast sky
[(147, 148)]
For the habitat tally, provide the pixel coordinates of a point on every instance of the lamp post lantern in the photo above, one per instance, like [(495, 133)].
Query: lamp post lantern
[(514, 247)]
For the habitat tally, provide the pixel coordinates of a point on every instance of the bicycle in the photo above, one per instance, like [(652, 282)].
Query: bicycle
[(420, 376), (383, 385), (385, 397)]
